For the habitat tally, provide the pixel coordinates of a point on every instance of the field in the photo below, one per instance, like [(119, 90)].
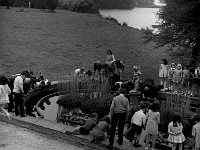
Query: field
[(58, 43)]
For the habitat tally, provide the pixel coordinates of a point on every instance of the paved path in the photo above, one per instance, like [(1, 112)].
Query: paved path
[(51, 133), (17, 138)]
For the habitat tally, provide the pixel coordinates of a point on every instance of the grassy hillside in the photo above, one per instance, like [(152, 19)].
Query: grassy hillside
[(58, 43)]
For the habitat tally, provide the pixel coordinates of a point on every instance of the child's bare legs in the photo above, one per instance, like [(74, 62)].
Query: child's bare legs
[(161, 81), (147, 141), (137, 139), (174, 146), (180, 146), (76, 130), (165, 82), (5, 111), (153, 141)]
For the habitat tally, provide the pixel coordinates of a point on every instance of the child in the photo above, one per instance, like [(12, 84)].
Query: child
[(4, 92), (163, 73), (175, 129), (98, 134), (89, 125), (171, 75), (137, 122), (152, 120), (192, 81), (185, 80), (136, 77), (196, 132), (109, 57), (178, 75)]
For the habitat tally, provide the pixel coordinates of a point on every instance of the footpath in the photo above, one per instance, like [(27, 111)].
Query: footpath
[(63, 131)]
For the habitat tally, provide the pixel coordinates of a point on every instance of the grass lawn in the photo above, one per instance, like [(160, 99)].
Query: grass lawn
[(58, 43)]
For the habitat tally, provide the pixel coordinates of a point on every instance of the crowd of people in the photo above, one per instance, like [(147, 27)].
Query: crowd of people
[(179, 79), (147, 119), (14, 89), (174, 77)]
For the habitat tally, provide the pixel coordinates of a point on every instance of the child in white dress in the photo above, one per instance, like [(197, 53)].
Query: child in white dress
[(171, 75), (4, 92), (175, 129), (196, 133), (109, 57), (163, 73), (177, 79)]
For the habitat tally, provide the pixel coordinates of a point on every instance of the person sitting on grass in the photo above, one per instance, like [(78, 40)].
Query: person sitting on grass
[(137, 123), (98, 134), (89, 125)]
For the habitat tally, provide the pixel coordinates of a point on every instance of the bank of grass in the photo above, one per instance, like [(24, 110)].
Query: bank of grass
[(58, 43)]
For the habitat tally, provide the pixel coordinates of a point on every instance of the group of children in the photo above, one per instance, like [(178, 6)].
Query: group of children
[(178, 78), (150, 121)]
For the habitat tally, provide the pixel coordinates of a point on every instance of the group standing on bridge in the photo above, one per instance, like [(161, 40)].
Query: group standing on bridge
[(179, 79)]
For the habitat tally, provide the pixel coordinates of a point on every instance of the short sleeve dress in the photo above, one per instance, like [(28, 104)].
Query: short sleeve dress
[(153, 119), (4, 92), (163, 72), (175, 133), (196, 134)]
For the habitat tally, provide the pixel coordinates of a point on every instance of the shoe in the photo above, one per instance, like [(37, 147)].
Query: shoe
[(109, 147)]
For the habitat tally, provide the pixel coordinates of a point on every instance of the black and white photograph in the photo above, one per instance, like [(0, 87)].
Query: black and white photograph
[(99, 74)]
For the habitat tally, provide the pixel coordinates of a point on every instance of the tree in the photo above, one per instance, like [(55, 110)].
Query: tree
[(179, 28)]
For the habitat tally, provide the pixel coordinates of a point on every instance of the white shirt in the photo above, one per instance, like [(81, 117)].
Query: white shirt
[(18, 85), (138, 118)]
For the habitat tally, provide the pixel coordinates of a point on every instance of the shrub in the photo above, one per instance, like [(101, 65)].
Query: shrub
[(87, 104), (82, 6)]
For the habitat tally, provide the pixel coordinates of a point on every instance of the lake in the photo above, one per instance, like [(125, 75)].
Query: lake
[(137, 17)]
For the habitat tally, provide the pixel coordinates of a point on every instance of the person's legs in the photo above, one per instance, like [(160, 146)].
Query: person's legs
[(161, 81), (174, 146), (153, 141), (147, 141), (21, 105), (16, 99), (11, 103), (76, 130), (121, 124), (164, 82), (5, 111), (114, 121), (180, 146)]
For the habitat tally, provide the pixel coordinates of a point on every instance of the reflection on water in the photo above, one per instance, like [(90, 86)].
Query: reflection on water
[(137, 17), (50, 111)]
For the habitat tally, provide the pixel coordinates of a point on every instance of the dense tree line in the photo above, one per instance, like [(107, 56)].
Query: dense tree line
[(120, 4), (179, 30), (45, 4), (111, 4)]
